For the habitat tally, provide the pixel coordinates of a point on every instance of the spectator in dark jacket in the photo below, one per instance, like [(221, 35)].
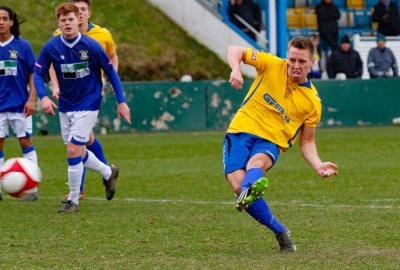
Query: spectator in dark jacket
[(386, 14), (249, 12), (345, 60), (327, 16)]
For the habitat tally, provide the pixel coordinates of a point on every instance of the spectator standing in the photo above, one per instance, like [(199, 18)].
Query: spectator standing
[(248, 11), (327, 17), (381, 61), (386, 14), (345, 60), (316, 70)]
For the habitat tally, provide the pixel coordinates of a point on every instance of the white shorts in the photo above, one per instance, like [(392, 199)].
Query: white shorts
[(20, 124), (77, 126)]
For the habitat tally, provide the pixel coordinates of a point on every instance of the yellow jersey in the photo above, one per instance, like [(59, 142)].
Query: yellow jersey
[(275, 108), (101, 35)]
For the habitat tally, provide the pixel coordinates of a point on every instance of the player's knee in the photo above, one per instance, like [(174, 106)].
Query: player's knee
[(74, 150), (25, 142), (263, 162), (91, 139)]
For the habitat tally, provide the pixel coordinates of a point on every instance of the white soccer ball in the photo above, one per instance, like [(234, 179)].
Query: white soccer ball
[(20, 176)]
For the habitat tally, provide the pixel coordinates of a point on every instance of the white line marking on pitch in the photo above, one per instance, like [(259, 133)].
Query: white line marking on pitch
[(326, 204), (270, 202)]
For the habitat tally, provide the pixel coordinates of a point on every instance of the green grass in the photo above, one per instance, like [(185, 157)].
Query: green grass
[(174, 210), (150, 45)]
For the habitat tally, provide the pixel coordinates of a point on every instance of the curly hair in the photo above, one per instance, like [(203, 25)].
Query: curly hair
[(13, 17)]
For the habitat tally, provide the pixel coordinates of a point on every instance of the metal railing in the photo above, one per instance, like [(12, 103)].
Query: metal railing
[(220, 9), (261, 39)]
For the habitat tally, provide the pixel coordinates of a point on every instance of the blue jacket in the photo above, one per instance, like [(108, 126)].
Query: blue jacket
[(380, 62)]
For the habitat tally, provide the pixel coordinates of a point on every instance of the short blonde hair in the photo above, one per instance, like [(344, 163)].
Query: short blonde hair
[(302, 43)]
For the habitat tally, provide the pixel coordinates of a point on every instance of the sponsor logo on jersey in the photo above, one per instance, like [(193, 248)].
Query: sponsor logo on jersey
[(277, 107), (8, 68), (75, 71)]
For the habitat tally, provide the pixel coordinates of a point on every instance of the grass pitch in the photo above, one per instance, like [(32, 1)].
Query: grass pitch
[(174, 210)]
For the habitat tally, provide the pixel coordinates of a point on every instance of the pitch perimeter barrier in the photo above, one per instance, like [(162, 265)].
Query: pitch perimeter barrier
[(210, 105)]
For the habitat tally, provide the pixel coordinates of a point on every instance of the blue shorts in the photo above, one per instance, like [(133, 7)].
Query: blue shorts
[(238, 148)]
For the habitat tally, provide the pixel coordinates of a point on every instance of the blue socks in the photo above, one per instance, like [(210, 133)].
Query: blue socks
[(252, 175), (97, 150), (260, 211), (82, 187)]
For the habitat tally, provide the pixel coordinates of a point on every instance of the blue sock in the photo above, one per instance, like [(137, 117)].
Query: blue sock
[(82, 187), (27, 150), (251, 176), (97, 150), (260, 211)]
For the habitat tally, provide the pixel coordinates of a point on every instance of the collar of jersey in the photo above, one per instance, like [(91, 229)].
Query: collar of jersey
[(90, 26), (71, 43), (3, 44), (307, 83)]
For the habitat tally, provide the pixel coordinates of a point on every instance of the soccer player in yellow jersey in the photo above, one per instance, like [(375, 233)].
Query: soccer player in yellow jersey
[(281, 104), (104, 37)]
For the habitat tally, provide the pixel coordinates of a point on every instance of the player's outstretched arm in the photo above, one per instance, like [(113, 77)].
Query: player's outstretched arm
[(234, 55), (309, 151), (326, 169)]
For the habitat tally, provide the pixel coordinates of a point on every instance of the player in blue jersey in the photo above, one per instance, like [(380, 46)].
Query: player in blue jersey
[(104, 37), (280, 104), (17, 105), (78, 62)]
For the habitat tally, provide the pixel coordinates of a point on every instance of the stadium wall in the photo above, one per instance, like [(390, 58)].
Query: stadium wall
[(210, 105)]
